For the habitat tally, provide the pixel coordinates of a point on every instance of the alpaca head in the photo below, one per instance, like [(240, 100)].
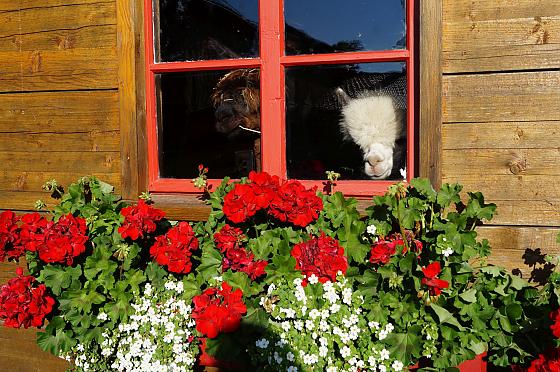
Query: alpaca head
[(236, 100), (374, 124)]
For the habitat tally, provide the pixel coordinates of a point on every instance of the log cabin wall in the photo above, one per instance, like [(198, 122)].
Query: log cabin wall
[(66, 110), (501, 117)]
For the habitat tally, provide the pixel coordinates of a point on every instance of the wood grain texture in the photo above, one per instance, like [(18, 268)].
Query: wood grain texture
[(91, 140), (501, 135), (60, 161), (33, 181), (59, 112), (510, 244), (25, 200), (526, 96), (14, 5), (430, 115), (182, 207), (501, 35), (44, 49)]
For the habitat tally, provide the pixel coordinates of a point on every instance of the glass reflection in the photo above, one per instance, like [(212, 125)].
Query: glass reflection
[(329, 26), (210, 118), (191, 30), (346, 118)]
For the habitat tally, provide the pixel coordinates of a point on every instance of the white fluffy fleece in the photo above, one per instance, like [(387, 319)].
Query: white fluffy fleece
[(374, 124)]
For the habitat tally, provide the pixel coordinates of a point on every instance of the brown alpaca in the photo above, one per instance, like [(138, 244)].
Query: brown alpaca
[(236, 99)]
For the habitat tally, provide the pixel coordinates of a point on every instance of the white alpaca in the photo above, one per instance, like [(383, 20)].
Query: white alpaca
[(374, 124)]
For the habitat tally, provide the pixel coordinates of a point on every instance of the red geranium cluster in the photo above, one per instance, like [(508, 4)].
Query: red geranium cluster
[(22, 304), (218, 310), (59, 241), (288, 202), (229, 240), (322, 257), (63, 240), (175, 248), (547, 362), (555, 326), (382, 251), (139, 220), (430, 278)]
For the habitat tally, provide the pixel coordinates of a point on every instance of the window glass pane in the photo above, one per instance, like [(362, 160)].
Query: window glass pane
[(191, 30), (210, 118), (346, 118), (328, 26)]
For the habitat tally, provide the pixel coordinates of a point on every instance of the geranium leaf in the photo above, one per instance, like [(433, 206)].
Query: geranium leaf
[(445, 316), (58, 278), (404, 346), (469, 296), (55, 339), (210, 262), (424, 186)]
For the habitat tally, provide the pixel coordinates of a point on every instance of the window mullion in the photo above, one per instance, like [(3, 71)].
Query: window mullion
[(272, 87)]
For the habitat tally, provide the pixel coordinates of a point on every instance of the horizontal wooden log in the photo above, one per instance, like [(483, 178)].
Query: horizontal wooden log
[(47, 18), (527, 212), (58, 70), (33, 181), (490, 36), (24, 201), (85, 37), (528, 96), (60, 161), (495, 162), (19, 353), (41, 142), (514, 247), (501, 135), (11, 5), (59, 112)]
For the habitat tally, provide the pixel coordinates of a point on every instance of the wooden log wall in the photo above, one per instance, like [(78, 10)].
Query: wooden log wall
[(59, 118), (501, 117)]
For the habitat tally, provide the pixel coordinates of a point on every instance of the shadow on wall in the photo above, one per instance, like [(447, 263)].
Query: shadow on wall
[(541, 269)]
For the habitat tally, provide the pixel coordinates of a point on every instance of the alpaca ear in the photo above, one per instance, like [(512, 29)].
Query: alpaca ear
[(341, 96)]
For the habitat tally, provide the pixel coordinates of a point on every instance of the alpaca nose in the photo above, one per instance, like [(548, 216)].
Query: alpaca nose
[(375, 159)]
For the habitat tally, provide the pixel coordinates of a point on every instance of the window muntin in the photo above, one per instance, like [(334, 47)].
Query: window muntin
[(273, 63)]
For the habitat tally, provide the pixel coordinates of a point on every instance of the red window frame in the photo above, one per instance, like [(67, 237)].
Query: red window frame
[(271, 63)]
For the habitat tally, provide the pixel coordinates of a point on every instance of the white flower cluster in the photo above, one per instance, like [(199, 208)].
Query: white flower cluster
[(157, 337), (322, 327), (445, 246)]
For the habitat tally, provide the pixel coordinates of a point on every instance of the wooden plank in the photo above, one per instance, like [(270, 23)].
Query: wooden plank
[(501, 135), (33, 181), (528, 96), (128, 25), (70, 16), (11, 5), (430, 93), (24, 200), (61, 161), (92, 140), (501, 35), (58, 70), (495, 162), (86, 37), (59, 112), (484, 10), (510, 244), (527, 212)]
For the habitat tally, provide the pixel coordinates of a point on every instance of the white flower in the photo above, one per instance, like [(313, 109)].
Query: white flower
[(179, 287), (277, 357), (335, 308), (397, 365), (384, 355), (290, 356), (371, 229), (313, 279), (271, 288), (309, 325), (345, 352), (292, 369), (314, 314), (447, 252), (262, 343), (285, 326), (372, 361), (102, 316), (382, 368), (389, 327), (403, 173), (331, 369), (382, 334), (374, 325)]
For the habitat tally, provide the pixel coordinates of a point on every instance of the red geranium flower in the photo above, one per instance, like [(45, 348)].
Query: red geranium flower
[(9, 248), (240, 203), (139, 220), (229, 238), (175, 248), (322, 257), (296, 204), (63, 240), (555, 326), (22, 304), (547, 362), (430, 278), (264, 187), (381, 252), (32, 231), (218, 310)]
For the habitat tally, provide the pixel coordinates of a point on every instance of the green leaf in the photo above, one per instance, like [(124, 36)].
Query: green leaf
[(445, 316), (55, 339), (469, 296), (210, 262), (449, 194), (405, 347), (59, 278), (225, 347), (518, 283), (514, 311), (424, 186), (156, 274)]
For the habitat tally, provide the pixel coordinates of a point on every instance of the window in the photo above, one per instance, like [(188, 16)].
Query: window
[(280, 86)]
